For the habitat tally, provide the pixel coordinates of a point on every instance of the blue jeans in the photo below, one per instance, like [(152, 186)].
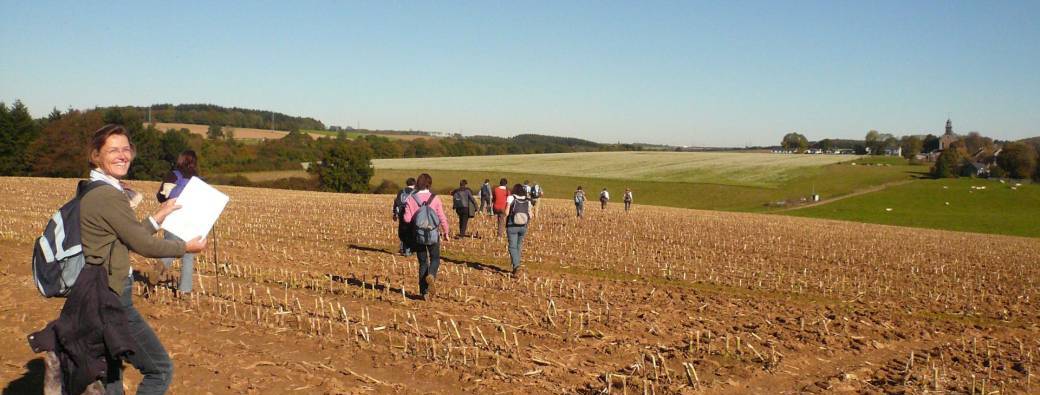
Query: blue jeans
[(429, 262), (516, 243), (580, 208), (187, 265), (150, 359)]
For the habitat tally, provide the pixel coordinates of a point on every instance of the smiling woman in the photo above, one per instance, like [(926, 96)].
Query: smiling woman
[(109, 231), (111, 151)]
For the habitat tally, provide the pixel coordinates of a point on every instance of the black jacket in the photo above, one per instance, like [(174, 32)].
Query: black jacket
[(92, 326)]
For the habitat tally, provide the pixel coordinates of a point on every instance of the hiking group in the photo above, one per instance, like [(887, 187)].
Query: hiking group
[(84, 256), (422, 225)]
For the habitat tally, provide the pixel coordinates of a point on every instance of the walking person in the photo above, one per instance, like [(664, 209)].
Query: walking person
[(186, 167), (404, 230), (109, 230), (518, 212), (628, 199), (527, 189), (461, 200), (536, 193), (604, 197), (426, 215), (485, 197), (579, 201), (498, 200)]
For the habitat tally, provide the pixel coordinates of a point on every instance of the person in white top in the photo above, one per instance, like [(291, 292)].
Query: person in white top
[(604, 197)]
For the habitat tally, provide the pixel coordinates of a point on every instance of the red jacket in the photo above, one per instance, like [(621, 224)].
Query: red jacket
[(499, 198)]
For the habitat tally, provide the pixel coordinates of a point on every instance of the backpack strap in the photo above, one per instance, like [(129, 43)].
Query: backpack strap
[(85, 186), (426, 203)]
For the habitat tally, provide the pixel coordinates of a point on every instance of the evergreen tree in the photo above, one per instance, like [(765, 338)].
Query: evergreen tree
[(17, 132)]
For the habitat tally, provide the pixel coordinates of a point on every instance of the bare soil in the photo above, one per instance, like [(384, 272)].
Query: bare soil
[(302, 292)]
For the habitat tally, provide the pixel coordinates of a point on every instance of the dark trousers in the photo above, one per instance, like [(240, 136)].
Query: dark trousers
[(150, 359), (628, 205), (463, 220), (404, 233), (429, 261)]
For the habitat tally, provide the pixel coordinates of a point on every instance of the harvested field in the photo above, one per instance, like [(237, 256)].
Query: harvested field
[(304, 294), (240, 133)]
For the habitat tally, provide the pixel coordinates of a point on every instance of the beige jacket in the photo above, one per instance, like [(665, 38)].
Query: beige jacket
[(109, 230)]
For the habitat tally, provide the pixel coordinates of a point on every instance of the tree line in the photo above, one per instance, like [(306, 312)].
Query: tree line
[(56, 146), (210, 114)]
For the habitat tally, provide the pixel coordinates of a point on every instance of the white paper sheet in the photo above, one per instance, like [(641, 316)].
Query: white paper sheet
[(201, 205)]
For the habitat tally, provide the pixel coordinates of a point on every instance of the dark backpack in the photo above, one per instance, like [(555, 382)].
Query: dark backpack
[(520, 212), (425, 222), (459, 200), (400, 202), (57, 254)]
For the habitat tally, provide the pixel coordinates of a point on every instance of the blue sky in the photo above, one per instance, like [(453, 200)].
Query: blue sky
[(725, 73)]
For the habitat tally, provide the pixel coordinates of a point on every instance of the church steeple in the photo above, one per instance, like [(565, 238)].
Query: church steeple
[(949, 126)]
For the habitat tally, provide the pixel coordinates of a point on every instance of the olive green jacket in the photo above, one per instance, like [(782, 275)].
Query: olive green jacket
[(109, 230)]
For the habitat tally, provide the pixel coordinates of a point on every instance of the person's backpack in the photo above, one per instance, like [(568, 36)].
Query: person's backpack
[(485, 191), (57, 254), (459, 199), (400, 202), (536, 192), (579, 197), (425, 222), (520, 212)]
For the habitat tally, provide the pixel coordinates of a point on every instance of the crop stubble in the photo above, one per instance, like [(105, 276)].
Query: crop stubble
[(659, 300)]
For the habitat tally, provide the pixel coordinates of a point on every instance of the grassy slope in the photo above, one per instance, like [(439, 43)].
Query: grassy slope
[(830, 180), (741, 169), (922, 203)]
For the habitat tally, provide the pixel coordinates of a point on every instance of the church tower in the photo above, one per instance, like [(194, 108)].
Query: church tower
[(948, 138)]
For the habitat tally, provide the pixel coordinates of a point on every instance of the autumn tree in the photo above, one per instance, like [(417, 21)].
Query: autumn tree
[(1019, 160)]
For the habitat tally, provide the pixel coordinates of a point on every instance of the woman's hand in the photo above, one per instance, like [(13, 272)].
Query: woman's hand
[(165, 209), (195, 245)]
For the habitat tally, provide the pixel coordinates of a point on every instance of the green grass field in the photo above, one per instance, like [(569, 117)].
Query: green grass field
[(829, 181), (950, 204), (726, 168), (787, 176)]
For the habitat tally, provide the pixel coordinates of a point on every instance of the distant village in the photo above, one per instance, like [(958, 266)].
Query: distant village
[(977, 156)]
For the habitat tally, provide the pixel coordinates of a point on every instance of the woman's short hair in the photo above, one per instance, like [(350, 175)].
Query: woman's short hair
[(423, 182), (463, 183), (519, 190), (503, 182), (188, 163), (101, 136)]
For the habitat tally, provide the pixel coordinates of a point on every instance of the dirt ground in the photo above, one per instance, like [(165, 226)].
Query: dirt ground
[(302, 292)]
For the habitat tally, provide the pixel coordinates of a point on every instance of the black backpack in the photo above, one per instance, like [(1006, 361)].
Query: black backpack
[(459, 200), (58, 255)]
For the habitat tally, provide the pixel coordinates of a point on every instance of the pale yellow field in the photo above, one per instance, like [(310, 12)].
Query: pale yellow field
[(749, 169), (240, 133)]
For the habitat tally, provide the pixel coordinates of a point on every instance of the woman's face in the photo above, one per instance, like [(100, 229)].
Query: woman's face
[(115, 156)]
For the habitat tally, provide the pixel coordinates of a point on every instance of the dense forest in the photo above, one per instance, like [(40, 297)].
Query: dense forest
[(209, 114)]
